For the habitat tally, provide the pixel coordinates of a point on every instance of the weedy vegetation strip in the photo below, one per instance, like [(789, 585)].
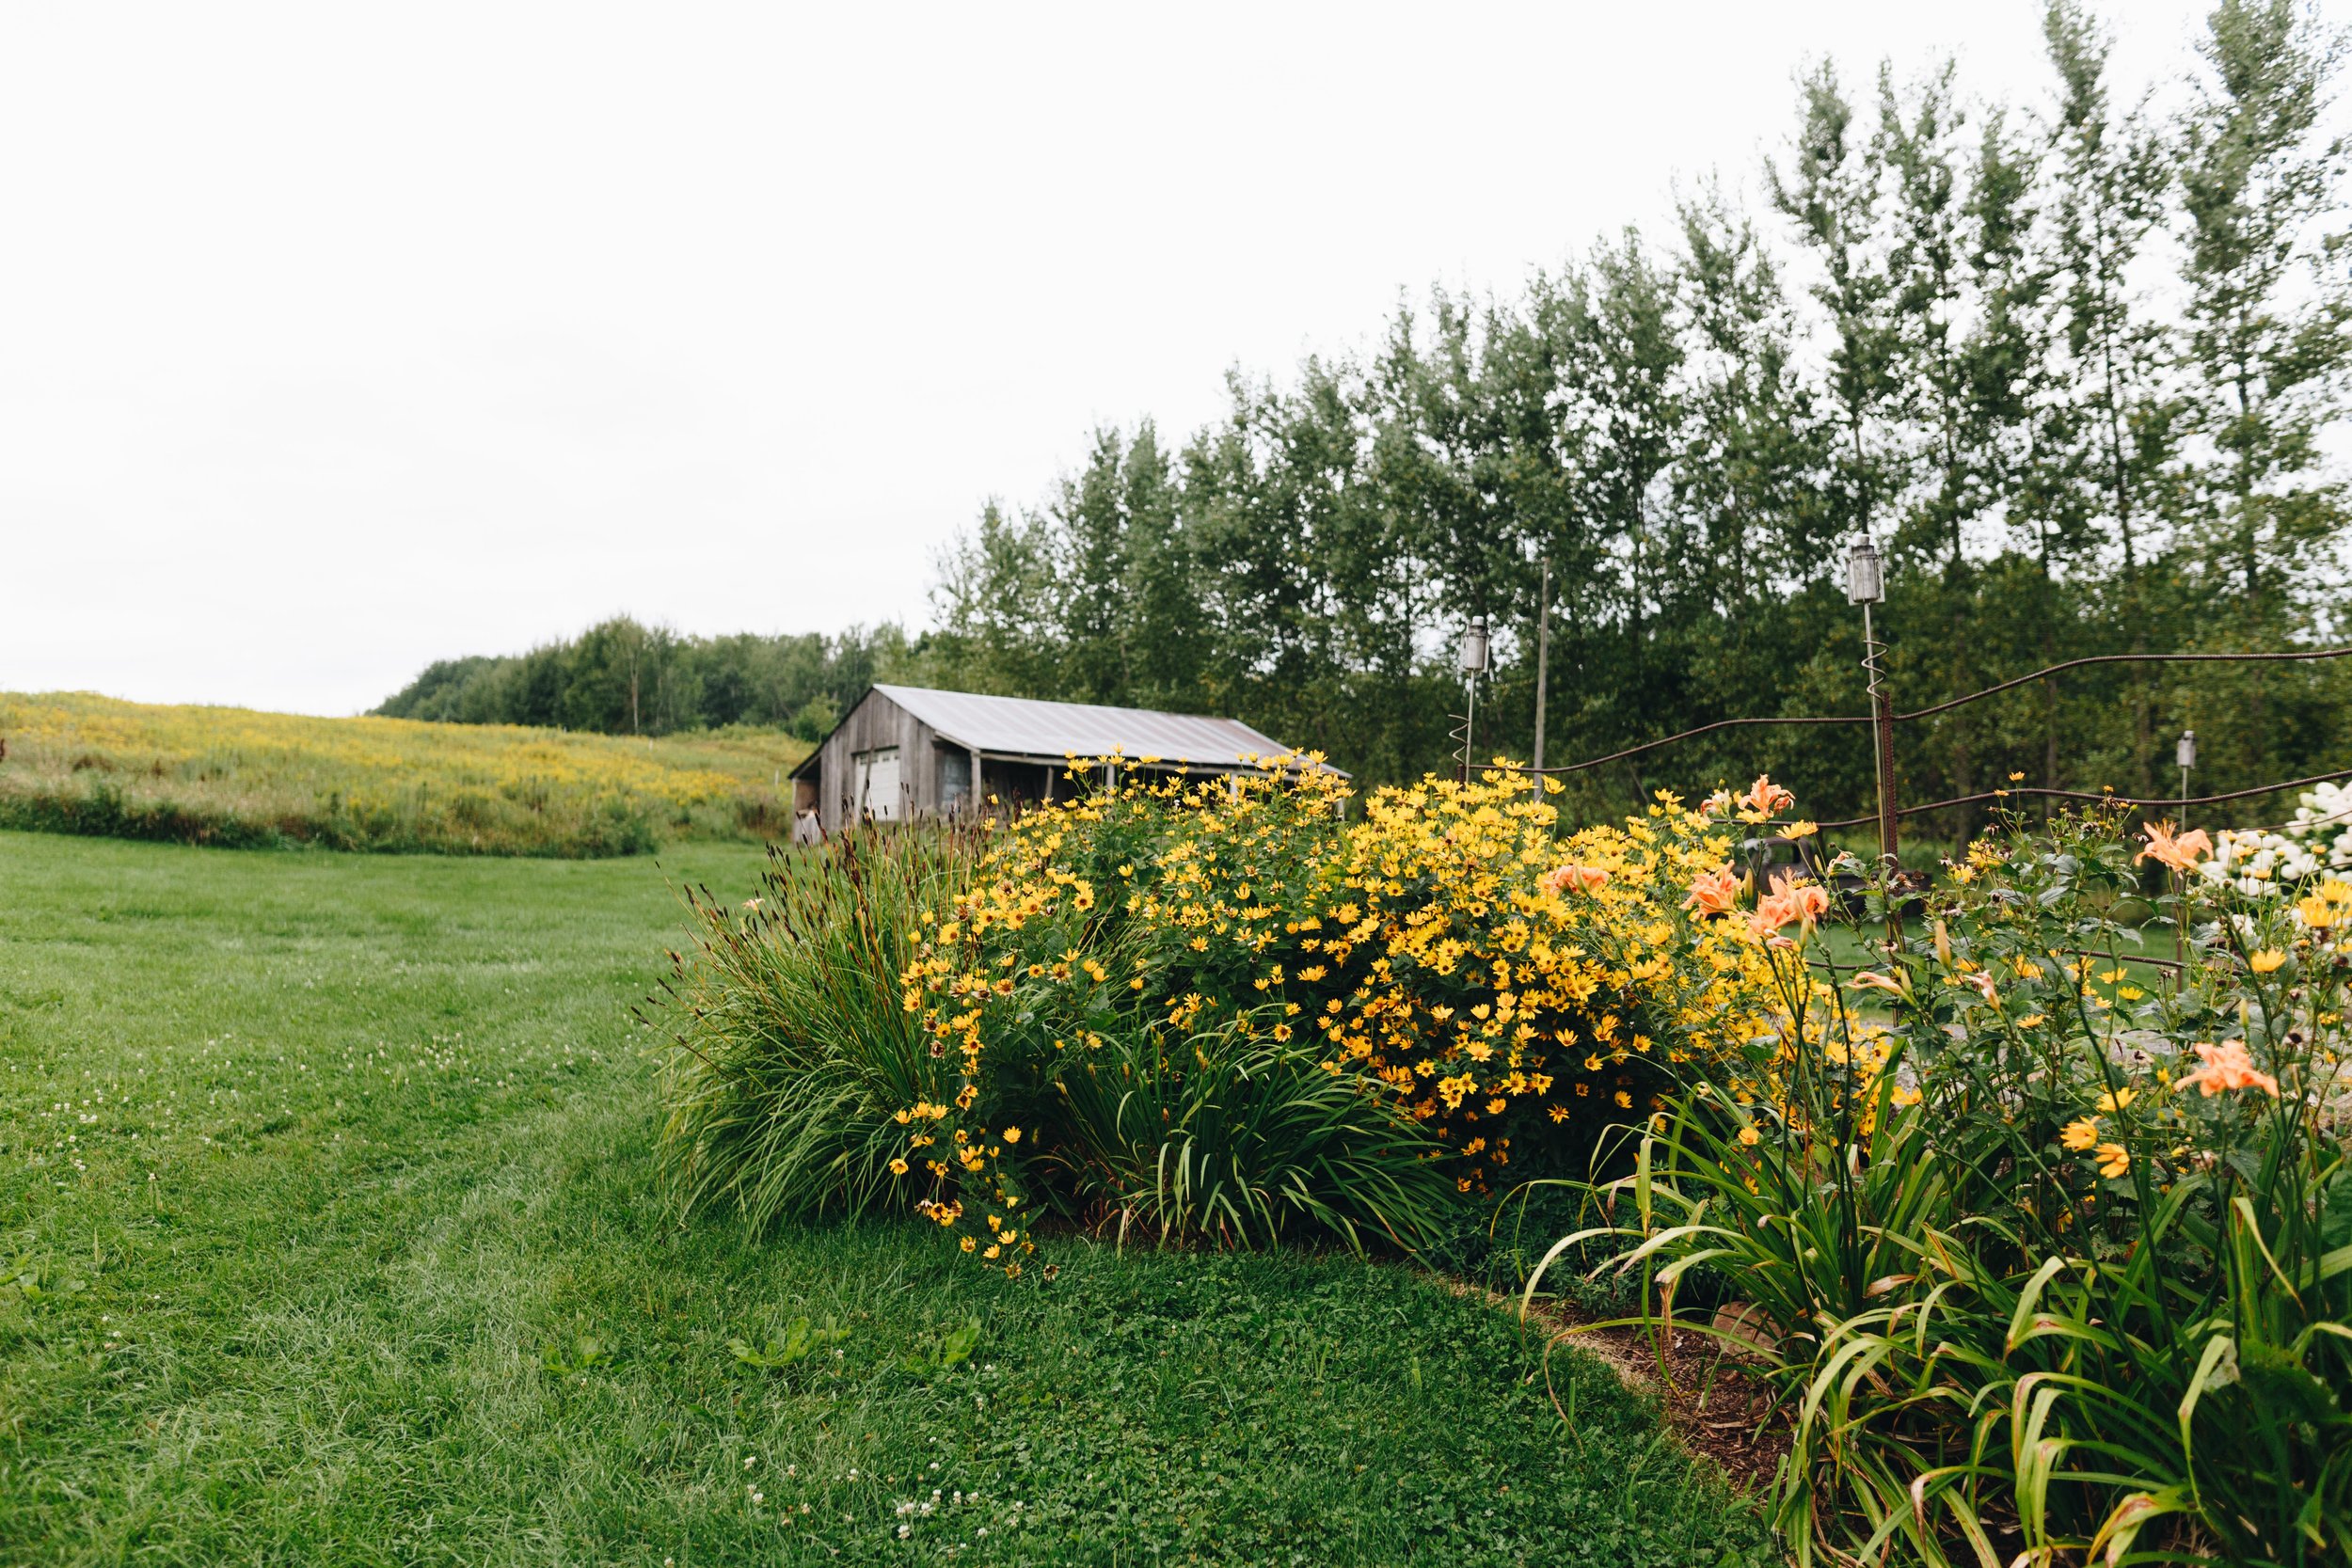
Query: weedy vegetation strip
[(80, 764)]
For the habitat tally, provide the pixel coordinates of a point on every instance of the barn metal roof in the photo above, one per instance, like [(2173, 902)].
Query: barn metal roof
[(1025, 727)]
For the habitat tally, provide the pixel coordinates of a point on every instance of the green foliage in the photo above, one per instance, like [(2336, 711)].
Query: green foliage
[(620, 678), (585, 1354), (942, 1351), (1237, 1139), (793, 1047), (320, 1342), (790, 1348), (2067, 1302), (1974, 368)]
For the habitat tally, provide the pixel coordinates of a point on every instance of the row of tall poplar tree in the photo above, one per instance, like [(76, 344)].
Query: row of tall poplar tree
[(2075, 365)]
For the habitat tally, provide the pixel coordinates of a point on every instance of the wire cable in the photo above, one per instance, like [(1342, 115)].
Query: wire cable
[(1941, 708)]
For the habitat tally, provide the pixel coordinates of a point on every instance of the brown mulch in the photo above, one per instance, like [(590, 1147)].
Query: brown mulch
[(1709, 1393)]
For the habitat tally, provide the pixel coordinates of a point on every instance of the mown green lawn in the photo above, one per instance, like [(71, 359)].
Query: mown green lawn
[(329, 1209)]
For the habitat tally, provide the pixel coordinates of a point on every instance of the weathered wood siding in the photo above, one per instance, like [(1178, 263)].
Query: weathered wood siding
[(872, 725)]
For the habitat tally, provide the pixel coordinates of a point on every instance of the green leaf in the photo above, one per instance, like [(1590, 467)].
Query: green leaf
[(2026, 1299), (2216, 1369)]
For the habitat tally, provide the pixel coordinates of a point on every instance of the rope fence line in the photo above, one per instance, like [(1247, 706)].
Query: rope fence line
[(2299, 656)]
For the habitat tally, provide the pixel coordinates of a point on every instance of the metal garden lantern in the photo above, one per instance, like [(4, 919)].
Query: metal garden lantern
[(2184, 755), (1474, 655), (1865, 575)]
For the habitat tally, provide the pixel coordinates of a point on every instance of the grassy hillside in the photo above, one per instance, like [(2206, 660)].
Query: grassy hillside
[(334, 1238), (83, 764)]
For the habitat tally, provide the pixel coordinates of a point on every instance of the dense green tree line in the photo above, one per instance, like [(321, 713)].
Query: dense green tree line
[(2069, 362), (625, 678)]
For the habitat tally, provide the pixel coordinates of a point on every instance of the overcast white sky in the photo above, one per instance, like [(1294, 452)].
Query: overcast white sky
[(339, 339)]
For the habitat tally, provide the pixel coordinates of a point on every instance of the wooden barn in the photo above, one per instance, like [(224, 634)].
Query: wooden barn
[(905, 751)]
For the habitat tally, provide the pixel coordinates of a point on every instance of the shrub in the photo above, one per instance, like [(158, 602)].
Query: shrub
[(2086, 1293), (1473, 1000)]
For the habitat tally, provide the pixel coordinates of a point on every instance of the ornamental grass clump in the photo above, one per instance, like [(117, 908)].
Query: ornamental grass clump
[(2050, 1243), (1228, 1135), (792, 1052)]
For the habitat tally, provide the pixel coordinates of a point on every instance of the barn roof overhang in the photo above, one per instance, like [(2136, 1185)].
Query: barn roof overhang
[(1029, 730)]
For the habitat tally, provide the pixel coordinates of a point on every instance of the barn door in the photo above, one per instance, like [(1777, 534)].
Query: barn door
[(877, 784)]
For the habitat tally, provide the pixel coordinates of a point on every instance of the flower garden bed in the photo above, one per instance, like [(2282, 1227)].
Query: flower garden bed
[(2045, 1235)]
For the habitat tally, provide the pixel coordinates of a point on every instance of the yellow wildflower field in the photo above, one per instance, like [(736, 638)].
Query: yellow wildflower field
[(75, 762)]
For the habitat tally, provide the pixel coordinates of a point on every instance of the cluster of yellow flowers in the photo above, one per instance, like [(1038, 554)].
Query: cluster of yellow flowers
[(1450, 948), (1505, 967)]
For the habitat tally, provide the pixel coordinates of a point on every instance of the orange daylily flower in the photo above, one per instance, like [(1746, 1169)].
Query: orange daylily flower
[(1871, 980), (1766, 797), (2228, 1067), (1585, 878), (1713, 893), (2180, 853), (1792, 903), (1802, 902)]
